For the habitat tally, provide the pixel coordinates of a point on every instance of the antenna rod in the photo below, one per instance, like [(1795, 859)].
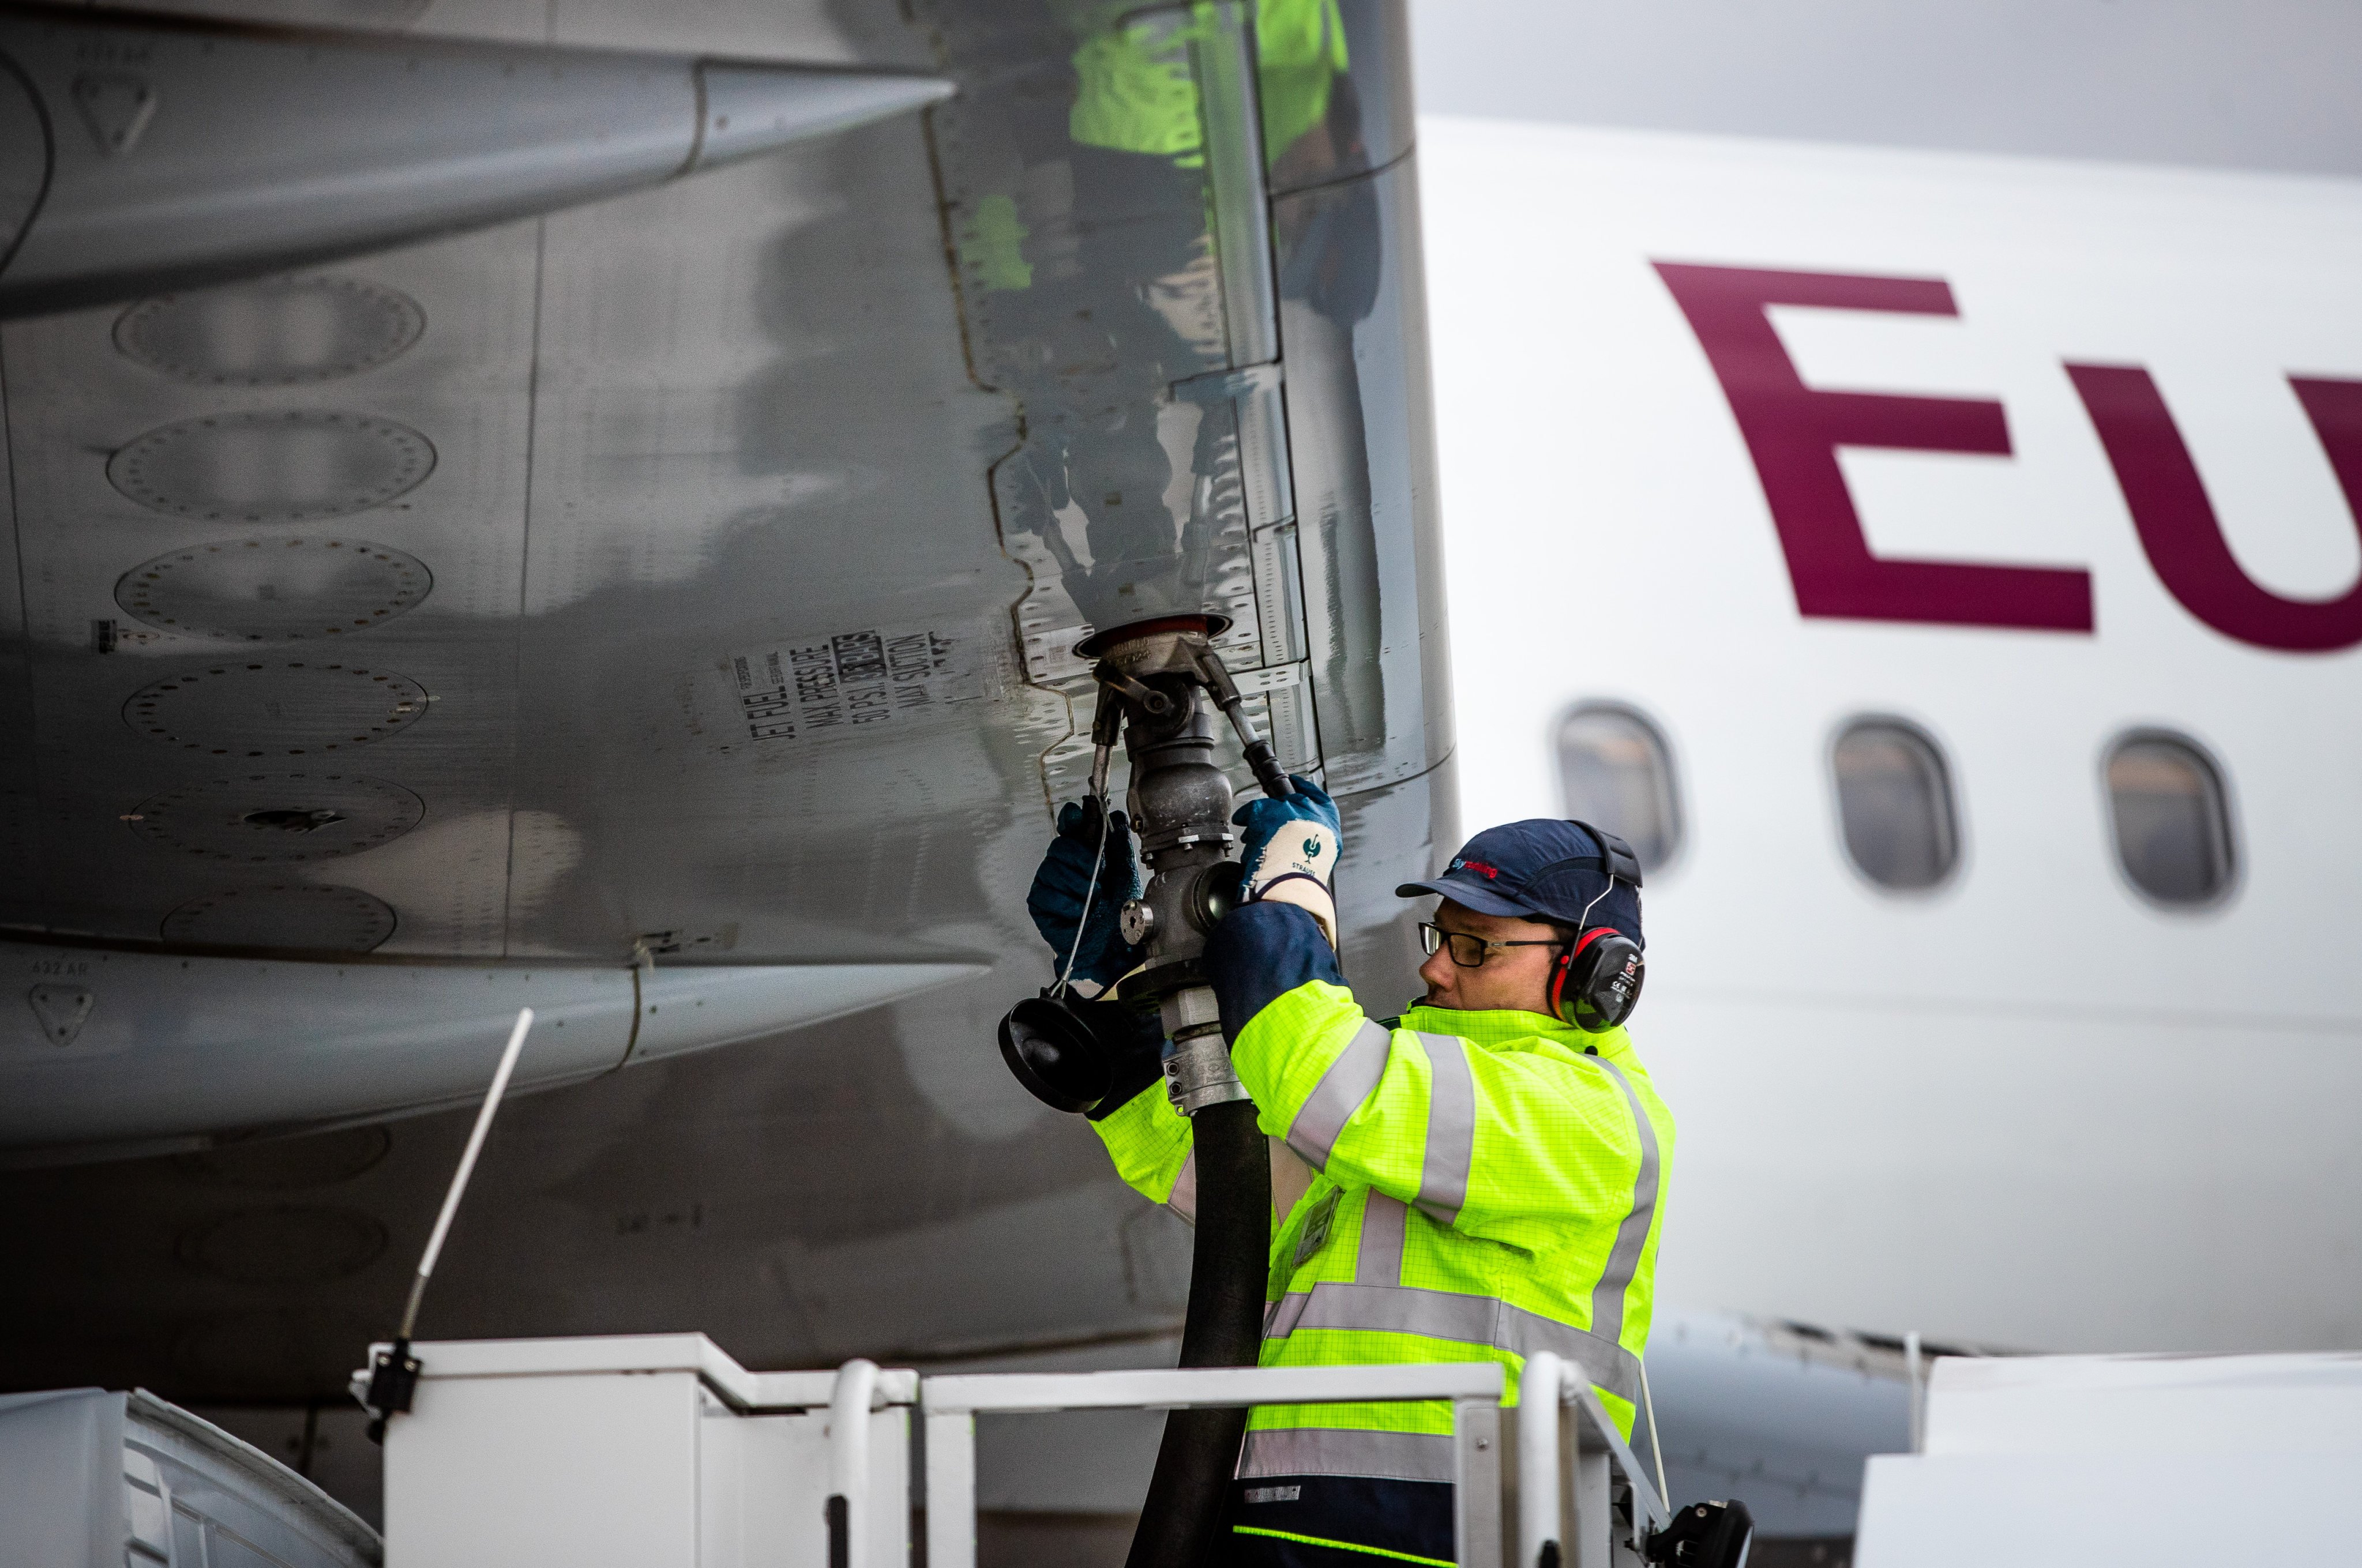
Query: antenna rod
[(466, 1168), (393, 1372)]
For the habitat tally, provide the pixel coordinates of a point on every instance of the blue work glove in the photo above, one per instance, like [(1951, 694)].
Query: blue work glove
[(1290, 850), (1056, 899)]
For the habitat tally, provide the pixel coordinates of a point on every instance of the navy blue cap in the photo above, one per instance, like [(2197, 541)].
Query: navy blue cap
[(1543, 869)]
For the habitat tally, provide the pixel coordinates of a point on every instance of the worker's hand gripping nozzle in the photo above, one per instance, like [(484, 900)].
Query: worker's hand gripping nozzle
[(1158, 687)]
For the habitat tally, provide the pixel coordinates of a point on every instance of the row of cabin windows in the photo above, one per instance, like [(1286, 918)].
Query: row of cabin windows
[(2167, 800)]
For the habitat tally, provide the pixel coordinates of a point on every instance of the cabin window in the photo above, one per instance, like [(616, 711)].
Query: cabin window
[(1894, 803), (1616, 771), (2172, 818)]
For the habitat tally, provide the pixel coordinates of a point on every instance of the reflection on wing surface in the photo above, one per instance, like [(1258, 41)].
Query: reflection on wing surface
[(754, 517)]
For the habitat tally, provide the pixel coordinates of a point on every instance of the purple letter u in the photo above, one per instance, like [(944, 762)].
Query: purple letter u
[(2177, 523)]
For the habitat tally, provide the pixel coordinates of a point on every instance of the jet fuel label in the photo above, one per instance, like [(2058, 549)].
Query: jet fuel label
[(804, 691)]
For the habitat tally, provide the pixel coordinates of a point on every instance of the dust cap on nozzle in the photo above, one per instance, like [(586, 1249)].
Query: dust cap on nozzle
[(1055, 1055)]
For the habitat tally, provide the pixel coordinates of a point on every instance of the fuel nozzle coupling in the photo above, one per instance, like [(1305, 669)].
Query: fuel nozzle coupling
[(1165, 681), (1180, 805), (1159, 685)]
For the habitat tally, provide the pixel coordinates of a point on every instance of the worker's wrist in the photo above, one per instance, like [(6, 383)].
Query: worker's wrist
[(1136, 1062), (1308, 893), (1261, 952)]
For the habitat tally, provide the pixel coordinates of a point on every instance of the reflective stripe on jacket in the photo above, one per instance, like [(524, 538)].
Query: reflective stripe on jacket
[(1489, 1184)]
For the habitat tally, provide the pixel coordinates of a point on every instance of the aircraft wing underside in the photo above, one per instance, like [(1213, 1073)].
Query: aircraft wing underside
[(659, 610), (683, 576)]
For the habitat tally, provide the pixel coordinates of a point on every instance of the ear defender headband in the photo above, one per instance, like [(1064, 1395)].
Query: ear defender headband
[(1598, 982)]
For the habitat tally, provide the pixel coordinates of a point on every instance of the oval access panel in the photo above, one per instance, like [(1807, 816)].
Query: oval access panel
[(284, 1244), (274, 589), (273, 332), (267, 818), (274, 707), (287, 466)]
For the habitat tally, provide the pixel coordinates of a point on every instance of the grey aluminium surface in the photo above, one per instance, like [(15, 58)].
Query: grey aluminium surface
[(108, 1478), (122, 1052), (179, 153), (24, 157), (717, 468), (555, 428)]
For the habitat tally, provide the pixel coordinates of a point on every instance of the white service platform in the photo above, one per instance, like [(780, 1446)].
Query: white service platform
[(651, 1450), (2062, 1462), (659, 1451)]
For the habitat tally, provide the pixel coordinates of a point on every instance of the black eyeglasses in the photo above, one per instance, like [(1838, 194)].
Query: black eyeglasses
[(1468, 949)]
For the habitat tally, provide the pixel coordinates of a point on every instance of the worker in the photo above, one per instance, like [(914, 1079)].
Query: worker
[(1480, 1179)]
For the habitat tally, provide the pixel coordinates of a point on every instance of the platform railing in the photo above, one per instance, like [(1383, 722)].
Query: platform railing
[(953, 1401), (1572, 1463), (606, 1450)]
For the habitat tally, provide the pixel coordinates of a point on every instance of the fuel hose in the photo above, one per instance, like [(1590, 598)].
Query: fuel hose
[(1185, 1520), (1155, 681)]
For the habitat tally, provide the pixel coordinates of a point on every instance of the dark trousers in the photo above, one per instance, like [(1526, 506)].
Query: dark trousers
[(1338, 1521)]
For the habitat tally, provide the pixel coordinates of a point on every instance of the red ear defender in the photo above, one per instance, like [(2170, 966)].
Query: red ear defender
[(1598, 982)]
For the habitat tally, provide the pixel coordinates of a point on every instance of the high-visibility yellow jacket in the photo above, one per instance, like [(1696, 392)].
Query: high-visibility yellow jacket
[(1136, 94), (1481, 1186)]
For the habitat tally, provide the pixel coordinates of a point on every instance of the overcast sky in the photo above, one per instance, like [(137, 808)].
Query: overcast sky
[(2246, 84)]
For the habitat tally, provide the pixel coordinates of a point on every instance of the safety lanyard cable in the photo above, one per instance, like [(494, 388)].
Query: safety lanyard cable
[(1091, 889)]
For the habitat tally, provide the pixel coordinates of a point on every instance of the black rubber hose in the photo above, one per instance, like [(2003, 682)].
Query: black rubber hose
[(1184, 1522)]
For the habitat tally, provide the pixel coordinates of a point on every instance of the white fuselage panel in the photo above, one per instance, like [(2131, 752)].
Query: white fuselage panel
[(2028, 1106)]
